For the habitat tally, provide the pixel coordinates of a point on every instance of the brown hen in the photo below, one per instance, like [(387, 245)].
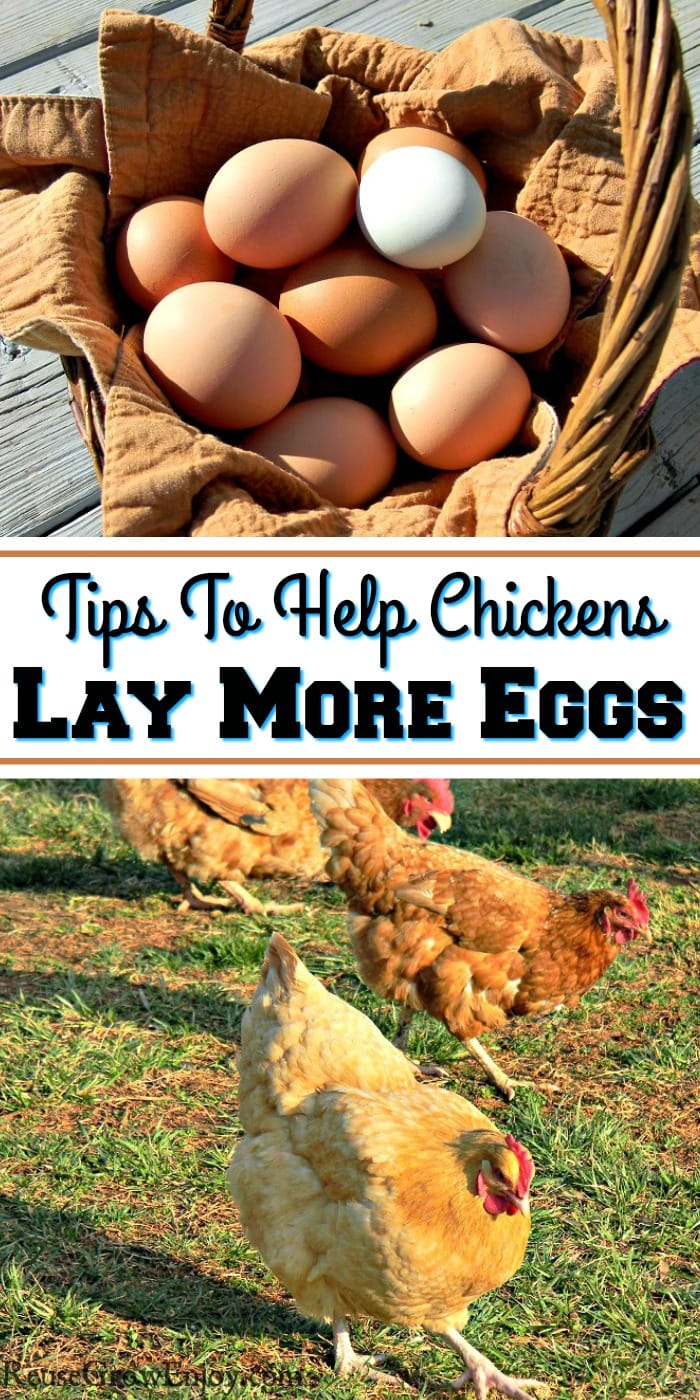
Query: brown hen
[(229, 830), (442, 930), (365, 1192)]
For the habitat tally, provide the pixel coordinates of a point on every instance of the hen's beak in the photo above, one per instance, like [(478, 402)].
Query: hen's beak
[(521, 1203), (443, 821), (637, 931)]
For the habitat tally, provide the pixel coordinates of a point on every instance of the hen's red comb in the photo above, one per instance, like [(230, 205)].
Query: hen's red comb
[(635, 897), (527, 1166)]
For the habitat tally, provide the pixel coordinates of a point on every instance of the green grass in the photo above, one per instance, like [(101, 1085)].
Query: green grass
[(123, 1269)]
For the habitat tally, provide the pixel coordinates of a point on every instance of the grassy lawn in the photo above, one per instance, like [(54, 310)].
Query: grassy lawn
[(124, 1269)]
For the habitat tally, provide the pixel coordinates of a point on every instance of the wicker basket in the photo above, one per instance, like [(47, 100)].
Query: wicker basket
[(606, 435)]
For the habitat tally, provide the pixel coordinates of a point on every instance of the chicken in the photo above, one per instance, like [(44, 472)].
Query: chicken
[(228, 830), (365, 1192), (423, 804), (468, 940)]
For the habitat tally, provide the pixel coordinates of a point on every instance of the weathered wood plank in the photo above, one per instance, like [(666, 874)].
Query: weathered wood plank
[(37, 429), (680, 521), (39, 57), (33, 34), (675, 464), (69, 65), (89, 524)]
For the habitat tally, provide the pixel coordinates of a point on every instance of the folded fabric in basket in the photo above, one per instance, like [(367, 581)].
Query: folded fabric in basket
[(539, 109)]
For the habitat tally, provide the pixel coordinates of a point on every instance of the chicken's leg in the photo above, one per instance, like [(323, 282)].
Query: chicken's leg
[(194, 899), (348, 1361), (251, 905), (491, 1069), (482, 1373)]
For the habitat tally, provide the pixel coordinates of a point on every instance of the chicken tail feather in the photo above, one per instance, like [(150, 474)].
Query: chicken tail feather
[(280, 964)]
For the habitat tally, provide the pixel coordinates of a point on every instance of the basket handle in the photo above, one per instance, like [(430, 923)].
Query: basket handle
[(605, 435), (228, 21)]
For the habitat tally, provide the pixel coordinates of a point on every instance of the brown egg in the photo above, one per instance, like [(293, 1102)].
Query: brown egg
[(339, 446), (397, 136), (280, 201), (164, 245), (354, 312), (222, 354), (513, 288), (459, 405)]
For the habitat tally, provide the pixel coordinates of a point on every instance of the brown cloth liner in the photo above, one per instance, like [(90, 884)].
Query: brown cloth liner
[(539, 109)]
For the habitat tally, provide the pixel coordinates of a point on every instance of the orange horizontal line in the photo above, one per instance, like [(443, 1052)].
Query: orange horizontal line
[(510, 552), (344, 762)]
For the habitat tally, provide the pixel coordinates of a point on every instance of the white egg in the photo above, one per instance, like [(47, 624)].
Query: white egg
[(420, 207)]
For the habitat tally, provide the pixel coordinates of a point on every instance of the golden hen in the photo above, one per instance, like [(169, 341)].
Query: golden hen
[(446, 931), (230, 829), (365, 1192)]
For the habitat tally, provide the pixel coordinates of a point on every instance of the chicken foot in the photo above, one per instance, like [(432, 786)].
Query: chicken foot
[(482, 1373), (194, 899), (493, 1071), (251, 905), (348, 1361)]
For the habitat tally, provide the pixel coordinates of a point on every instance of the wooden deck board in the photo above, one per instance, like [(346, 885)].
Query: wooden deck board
[(89, 524), (47, 477), (673, 470), (36, 500)]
